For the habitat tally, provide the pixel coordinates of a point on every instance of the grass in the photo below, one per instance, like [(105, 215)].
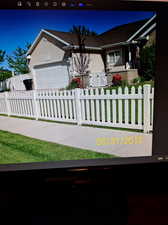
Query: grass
[(15, 148), (114, 128)]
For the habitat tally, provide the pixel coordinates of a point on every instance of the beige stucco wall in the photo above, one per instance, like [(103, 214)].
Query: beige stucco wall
[(96, 62), (46, 52)]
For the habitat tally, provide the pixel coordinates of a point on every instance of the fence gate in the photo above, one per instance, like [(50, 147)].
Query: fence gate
[(98, 80)]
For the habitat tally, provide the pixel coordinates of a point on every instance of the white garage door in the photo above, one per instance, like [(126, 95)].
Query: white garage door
[(52, 77)]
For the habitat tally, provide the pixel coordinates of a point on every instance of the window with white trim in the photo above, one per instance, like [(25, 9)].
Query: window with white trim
[(114, 57)]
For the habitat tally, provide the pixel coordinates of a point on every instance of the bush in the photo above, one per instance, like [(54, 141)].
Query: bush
[(117, 80), (124, 83), (75, 83), (141, 81), (138, 80), (147, 63), (5, 90), (5, 74)]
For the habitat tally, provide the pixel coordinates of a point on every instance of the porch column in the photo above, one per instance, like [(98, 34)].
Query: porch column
[(108, 58), (128, 58), (129, 55)]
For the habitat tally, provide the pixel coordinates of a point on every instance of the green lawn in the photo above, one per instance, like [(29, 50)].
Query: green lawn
[(15, 148)]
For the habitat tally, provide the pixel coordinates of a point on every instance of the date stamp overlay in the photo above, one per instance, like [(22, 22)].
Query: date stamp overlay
[(127, 140)]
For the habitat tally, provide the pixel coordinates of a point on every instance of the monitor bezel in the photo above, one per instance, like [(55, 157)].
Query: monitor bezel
[(159, 152)]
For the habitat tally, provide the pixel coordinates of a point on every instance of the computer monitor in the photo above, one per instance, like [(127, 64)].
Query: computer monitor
[(82, 83)]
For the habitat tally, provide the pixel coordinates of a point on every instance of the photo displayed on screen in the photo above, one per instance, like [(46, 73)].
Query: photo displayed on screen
[(76, 84)]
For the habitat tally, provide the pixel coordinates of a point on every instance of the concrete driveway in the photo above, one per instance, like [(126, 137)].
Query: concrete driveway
[(96, 139)]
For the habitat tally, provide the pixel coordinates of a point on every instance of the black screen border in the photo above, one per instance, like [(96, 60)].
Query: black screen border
[(159, 150)]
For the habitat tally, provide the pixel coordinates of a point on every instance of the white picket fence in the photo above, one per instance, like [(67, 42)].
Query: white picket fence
[(98, 79), (122, 108)]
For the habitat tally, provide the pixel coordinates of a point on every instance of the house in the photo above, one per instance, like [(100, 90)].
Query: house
[(51, 56), (17, 82)]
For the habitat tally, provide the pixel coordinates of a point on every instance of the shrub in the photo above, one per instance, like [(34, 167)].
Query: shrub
[(117, 80), (6, 89), (147, 62), (75, 83), (136, 80), (124, 83), (5, 74)]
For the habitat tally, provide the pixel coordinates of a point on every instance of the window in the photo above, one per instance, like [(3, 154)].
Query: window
[(115, 57)]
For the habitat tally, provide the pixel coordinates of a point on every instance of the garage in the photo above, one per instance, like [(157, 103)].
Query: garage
[(53, 75)]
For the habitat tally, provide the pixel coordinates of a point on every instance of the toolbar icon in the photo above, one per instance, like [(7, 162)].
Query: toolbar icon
[(72, 4), (37, 4), (54, 4), (28, 4), (81, 4), (46, 4), (63, 4), (19, 4)]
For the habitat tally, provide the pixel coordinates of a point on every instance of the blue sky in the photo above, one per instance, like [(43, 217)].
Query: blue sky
[(20, 26)]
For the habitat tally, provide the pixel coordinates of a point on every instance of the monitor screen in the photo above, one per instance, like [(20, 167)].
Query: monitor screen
[(76, 84)]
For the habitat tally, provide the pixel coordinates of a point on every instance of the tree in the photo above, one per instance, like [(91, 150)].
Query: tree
[(18, 61), (5, 74), (148, 62), (82, 30), (2, 56), (81, 59)]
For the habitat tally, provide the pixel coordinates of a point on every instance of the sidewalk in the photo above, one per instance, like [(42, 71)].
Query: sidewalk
[(78, 136)]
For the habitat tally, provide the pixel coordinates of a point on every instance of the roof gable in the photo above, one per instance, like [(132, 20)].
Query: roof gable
[(121, 33), (71, 38), (116, 35)]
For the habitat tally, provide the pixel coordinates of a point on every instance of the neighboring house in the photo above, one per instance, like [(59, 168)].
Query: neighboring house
[(17, 82), (116, 50)]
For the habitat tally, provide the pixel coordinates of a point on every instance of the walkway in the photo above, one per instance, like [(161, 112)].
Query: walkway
[(79, 136)]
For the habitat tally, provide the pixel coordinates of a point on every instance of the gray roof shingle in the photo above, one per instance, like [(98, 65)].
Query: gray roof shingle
[(70, 38), (121, 33), (115, 35)]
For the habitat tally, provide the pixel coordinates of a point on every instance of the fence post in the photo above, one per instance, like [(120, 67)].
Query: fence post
[(36, 109), (146, 89), (78, 106), (7, 104)]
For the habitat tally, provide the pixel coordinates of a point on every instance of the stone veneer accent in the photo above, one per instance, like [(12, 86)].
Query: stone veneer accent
[(128, 75)]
